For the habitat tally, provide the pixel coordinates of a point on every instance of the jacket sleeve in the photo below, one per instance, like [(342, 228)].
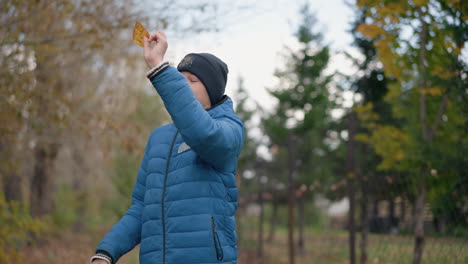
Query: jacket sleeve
[(217, 141), (126, 233)]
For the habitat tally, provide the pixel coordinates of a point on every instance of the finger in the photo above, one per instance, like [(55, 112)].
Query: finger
[(162, 33), (154, 37), (146, 44), (161, 38)]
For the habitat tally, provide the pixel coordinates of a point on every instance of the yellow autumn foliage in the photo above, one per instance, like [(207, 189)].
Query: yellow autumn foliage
[(397, 8), (436, 91), (390, 144), (420, 2), (442, 72), (367, 116), (361, 3), (17, 228), (369, 30)]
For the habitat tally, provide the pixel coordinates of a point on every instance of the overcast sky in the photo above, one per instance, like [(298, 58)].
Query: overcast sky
[(251, 45)]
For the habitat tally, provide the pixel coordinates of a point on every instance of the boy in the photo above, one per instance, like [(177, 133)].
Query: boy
[(185, 196)]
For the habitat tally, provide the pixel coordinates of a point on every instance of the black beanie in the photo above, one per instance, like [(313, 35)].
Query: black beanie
[(211, 71)]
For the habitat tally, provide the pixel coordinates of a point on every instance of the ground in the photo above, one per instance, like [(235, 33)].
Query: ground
[(321, 247)]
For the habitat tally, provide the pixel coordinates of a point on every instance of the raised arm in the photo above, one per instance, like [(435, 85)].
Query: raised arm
[(218, 140)]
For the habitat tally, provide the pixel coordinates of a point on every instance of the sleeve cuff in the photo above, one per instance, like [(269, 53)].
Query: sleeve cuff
[(157, 69), (102, 254), (99, 257)]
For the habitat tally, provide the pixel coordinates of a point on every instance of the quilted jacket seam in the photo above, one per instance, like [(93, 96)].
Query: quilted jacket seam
[(193, 181), (212, 197)]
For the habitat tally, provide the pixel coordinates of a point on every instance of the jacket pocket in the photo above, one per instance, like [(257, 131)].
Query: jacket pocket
[(216, 241)]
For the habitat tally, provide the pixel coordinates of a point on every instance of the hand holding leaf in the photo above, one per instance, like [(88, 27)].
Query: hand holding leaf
[(155, 55)]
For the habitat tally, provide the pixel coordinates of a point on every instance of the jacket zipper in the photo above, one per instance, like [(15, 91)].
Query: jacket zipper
[(162, 198), (217, 243)]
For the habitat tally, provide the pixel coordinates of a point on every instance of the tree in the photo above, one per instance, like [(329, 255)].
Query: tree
[(248, 157), (63, 87), (46, 35), (370, 82), (429, 73), (298, 122)]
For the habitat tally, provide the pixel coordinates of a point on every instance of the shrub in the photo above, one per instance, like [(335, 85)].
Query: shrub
[(17, 229)]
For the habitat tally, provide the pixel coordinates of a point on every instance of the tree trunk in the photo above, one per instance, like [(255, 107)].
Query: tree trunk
[(10, 179), (375, 208), (239, 230), (391, 215), (46, 148), (42, 180), (301, 213), (364, 220), (273, 220), (239, 211), (260, 221), (403, 210), (427, 138), (419, 223), (351, 191), (291, 197), (79, 187), (12, 187)]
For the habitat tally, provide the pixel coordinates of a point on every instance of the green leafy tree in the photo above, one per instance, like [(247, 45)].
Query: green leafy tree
[(429, 78), (299, 122), (371, 82)]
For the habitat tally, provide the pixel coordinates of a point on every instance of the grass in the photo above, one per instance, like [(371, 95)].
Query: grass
[(331, 247), (322, 246)]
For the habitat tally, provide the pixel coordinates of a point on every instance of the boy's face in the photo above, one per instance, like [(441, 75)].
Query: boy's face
[(198, 89)]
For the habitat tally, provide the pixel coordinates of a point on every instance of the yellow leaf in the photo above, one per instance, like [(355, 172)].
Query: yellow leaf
[(420, 2), (139, 31), (442, 72), (370, 30), (361, 3), (432, 91), (395, 19), (397, 7)]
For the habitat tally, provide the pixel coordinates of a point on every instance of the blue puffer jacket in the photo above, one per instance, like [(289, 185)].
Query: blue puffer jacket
[(185, 195)]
